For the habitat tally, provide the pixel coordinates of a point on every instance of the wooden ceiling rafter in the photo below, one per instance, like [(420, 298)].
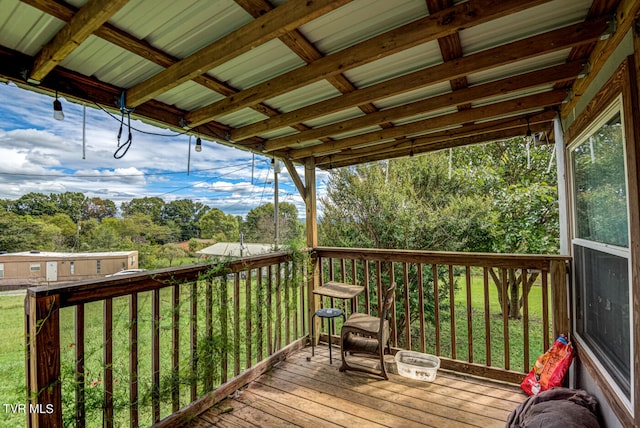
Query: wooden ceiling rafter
[(411, 147), (450, 47), (147, 51), (506, 54), (418, 32), (82, 25), (299, 44), (546, 76), (270, 26), (484, 112)]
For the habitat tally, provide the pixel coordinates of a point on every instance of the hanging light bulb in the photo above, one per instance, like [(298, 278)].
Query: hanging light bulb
[(529, 133), (198, 144), (57, 109)]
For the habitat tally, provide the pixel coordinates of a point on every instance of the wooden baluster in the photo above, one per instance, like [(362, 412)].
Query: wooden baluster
[(278, 320), (248, 319), (525, 318), (545, 311), (343, 271), (558, 270), (407, 308), (133, 360), (193, 338), (270, 311), (236, 323), (452, 313), (209, 362), (175, 347), (354, 272), (469, 314), (260, 301), (331, 272), (224, 327), (379, 285), (394, 316), (367, 293), (287, 303), (108, 362), (436, 306), (79, 375), (487, 316), (505, 319), (421, 308), (155, 354)]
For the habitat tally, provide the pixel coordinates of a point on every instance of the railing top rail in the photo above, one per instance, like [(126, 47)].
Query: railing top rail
[(73, 293), (529, 261)]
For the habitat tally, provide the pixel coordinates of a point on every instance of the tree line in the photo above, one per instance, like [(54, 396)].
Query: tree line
[(71, 221), (499, 197)]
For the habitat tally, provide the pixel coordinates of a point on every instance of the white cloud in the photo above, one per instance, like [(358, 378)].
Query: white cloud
[(40, 154)]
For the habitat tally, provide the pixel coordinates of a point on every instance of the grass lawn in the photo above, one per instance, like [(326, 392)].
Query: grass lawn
[(12, 359)]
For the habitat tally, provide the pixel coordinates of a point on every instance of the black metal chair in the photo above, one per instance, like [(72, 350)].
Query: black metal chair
[(366, 334)]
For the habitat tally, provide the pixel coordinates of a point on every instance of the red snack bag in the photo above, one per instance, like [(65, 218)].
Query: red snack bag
[(550, 368)]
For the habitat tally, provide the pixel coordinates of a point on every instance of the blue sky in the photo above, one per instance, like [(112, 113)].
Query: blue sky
[(44, 155)]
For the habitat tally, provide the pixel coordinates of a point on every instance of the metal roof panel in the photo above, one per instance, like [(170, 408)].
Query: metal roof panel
[(26, 29), (360, 20), (183, 27), (109, 63), (258, 65), (301, 97), (189, 96), (529, 22), (404, 62)]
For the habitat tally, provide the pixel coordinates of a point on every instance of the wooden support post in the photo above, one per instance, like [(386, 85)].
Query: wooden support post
[(312, 238), (558, 271), (45, 400)]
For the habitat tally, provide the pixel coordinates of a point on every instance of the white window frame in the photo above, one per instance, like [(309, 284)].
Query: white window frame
[(616, 106), (35, 267)]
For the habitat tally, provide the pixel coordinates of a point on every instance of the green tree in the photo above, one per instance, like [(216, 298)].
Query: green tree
[(17, 233), (171, 252), (98, 208), (185, 215), (151, 206), (217, 224), (260, 225), (66, 238), (69, 203), (35, 204)]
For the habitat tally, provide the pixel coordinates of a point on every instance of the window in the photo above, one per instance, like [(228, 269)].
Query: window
[(601, 246), (98, 266), (72, 268), (1, 270), (34, 267)]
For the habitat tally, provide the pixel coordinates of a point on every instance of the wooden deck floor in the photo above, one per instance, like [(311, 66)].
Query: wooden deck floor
[(315, 394)]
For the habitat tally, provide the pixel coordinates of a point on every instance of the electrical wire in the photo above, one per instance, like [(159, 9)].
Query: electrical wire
[(150, 174), (124, 147), (200, 182), (157, 134)]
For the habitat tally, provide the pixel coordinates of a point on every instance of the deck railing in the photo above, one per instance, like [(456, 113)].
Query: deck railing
[(132, 351), (471, 309), (158, 348)]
